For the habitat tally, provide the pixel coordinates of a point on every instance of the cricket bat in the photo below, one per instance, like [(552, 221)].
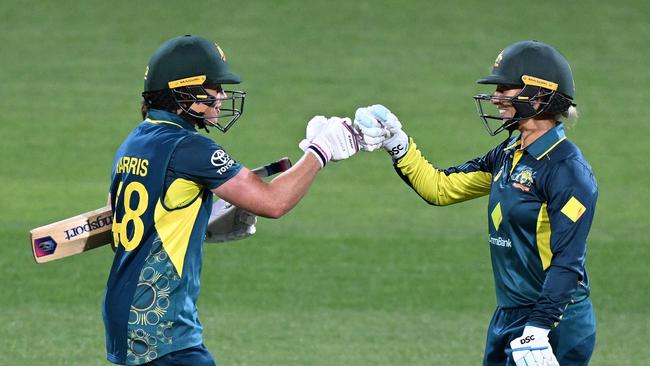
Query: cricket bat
[(92, 229)]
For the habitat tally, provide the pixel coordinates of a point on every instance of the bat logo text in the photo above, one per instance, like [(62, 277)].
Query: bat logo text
[(89, 226)]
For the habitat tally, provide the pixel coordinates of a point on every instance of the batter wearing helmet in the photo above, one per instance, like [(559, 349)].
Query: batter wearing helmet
[(163, 180), (542, 198)]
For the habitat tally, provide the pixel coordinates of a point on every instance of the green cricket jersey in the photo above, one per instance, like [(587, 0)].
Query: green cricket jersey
[(161, 198), (541, 205)]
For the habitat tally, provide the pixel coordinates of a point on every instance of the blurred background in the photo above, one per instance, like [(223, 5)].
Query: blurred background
[(362, 271)]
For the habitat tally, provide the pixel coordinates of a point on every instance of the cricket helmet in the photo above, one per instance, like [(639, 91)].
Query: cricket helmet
[(541, 71), (180, 70)]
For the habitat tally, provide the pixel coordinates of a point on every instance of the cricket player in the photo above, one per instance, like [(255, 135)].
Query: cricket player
[(542, 198), (163, 180)]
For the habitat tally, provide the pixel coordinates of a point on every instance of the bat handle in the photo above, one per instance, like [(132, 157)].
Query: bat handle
[(273, 168)]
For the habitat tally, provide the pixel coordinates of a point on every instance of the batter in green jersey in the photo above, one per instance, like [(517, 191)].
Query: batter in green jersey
[(163, 181)]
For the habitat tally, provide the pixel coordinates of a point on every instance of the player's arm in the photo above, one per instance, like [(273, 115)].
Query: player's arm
[(443, 187), (572, 194), (327, 140), (435, 186), (270, 199)]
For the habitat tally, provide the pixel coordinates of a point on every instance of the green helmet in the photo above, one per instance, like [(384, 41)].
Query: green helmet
[(189, 59), (541, 71), (181, 69)]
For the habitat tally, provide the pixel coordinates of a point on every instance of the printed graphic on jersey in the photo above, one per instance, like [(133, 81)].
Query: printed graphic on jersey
[(222, 160), (501, 242), (497, 216), (148, 327), (573, 209), (524, 179)]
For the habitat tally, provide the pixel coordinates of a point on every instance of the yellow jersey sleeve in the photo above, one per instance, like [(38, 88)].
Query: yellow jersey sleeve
[(443, 187)]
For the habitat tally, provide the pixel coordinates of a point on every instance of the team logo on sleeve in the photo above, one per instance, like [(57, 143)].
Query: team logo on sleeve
[(221, 160), (524, 179)]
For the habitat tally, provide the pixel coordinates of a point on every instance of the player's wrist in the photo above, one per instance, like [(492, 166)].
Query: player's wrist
[(532, 329), (316, 150), (397, 145)]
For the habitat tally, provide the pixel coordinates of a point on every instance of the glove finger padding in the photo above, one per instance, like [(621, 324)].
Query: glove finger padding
[(387, 118), (314, 127), (371, 133), (394, 140)]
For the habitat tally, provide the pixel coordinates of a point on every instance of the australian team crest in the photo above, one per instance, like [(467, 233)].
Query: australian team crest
[(524, 179)]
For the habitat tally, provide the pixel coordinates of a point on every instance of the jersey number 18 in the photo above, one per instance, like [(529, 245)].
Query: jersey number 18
[(131, 215)]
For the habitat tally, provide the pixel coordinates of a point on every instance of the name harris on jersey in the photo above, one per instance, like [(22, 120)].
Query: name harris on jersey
[(132, 165)]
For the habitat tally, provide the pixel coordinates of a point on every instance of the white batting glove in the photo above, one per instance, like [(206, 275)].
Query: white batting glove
[(396, 141), (229, 223), (372, 134), (533, 349), (314, 127), (335, 141)]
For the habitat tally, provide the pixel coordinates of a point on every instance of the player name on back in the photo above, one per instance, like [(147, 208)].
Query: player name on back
[(132, 165)]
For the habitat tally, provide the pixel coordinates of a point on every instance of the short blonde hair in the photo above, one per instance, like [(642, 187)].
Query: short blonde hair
[(570, 116)]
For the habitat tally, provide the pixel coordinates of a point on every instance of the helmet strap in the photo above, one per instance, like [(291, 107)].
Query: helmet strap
[(523, 102), (186, 96), (524, 108)]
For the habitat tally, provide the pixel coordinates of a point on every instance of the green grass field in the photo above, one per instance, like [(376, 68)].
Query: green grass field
[(361, 272)]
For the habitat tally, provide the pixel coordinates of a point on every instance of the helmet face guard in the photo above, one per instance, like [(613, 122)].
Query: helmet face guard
[(537, 97), (230, 109), (188, 91)]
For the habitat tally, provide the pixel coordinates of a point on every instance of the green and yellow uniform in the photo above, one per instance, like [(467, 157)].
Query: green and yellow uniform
[(541, 205), (161, 197)]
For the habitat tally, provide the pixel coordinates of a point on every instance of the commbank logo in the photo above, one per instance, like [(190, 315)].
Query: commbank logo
[(501, 242)]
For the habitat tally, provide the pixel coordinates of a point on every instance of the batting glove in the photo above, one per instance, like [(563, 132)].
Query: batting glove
[(391, 137), (335, 141), (372, 134), (533, 349), (229, 223), (314, 127)]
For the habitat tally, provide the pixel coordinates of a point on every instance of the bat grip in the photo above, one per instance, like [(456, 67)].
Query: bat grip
[(273, 168)]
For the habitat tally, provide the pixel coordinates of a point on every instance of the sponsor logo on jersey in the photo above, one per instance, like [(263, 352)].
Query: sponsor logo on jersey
[(221, 160), (524, 179), (501, 242)]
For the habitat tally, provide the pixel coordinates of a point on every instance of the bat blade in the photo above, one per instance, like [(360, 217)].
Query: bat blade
[(92, 229), (73, 235)]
